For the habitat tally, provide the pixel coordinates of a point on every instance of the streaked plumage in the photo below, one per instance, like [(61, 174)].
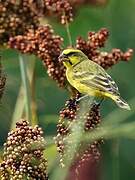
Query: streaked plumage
[(90, 78)]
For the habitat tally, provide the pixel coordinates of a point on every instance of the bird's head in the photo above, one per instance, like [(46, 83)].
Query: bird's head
[(71, 57)]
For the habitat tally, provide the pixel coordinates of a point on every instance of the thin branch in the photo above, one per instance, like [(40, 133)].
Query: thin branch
[(19, 107), (23, 68), (20, 102), (32, 80), (68, 33)]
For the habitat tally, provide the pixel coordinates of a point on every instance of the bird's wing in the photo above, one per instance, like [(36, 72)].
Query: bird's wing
[(95, 76)]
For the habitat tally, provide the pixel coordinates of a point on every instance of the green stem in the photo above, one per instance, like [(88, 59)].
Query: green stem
[(20, 102), (31, 70), (23, 68), (19, 107), (68, 34)]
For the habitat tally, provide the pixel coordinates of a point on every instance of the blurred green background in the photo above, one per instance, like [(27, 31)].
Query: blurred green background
[(118, 17)]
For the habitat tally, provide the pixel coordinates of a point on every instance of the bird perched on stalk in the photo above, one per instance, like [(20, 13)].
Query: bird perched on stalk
[(89, 78)]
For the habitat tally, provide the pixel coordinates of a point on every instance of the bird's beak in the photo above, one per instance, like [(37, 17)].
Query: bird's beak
[(63, 58)]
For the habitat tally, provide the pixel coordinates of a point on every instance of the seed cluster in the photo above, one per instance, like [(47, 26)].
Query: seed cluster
[(44, 44), (15, 18), (71, 106), (96, 41), (62, 9), (23, 154), (92, 121), (2, 81)]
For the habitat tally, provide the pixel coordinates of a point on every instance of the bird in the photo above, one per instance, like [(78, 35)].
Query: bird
[(89, 78)]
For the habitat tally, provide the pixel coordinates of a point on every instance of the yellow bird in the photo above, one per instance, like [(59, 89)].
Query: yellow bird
[(89, 78)]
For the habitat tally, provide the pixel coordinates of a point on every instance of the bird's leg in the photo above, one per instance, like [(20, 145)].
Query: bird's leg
[(82, 98)]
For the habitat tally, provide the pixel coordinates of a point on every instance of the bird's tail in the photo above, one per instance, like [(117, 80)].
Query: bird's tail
[(121, 102)]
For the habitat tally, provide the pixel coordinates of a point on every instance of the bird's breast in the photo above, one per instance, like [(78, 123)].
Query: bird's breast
[(70, 77), (76, 83)]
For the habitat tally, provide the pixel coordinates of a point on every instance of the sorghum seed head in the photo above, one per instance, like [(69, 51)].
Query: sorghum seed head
[(96, 41), (23, 153), (47, 46)]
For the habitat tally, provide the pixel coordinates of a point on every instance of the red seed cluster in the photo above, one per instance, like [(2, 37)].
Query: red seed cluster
[(23, 154), (94, 43), (95, 40), (2, 81), (107, 60), (93, 118), (92, 121), (47, 46), (71, 106), (15, 18), (62, 9)]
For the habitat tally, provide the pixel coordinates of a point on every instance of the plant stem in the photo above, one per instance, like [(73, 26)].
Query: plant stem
[(20, 102), (31, 72), (23, 68), (68, 34), (19, 107)]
